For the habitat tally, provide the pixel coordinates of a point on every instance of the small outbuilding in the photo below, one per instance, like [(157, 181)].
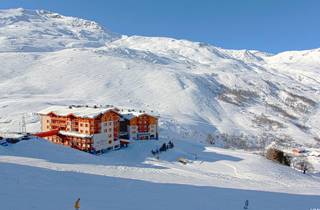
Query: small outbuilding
[(278, 156)]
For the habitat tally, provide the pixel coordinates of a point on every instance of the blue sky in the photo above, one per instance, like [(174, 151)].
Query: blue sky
[(266, 25)]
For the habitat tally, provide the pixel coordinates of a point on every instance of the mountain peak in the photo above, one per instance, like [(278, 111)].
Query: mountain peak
[(42, 30)]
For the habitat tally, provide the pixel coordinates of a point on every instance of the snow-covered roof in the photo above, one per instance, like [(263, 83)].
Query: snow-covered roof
[(12, 135), (128, 114), (83, 111), (75, 134)]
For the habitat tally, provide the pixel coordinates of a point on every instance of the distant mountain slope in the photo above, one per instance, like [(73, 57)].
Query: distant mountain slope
[(28, 30), (241, 97)]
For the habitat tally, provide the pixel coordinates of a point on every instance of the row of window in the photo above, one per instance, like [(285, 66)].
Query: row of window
[(85, 125), (108, 123), (56, 121), (53, 127), (143, 126), (142, 122), (83, 141), (108, 130), (151, 131), (84, 145), (84, 131)]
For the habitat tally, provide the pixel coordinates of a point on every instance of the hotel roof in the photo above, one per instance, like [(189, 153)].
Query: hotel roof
[(78, 111), (128, 114)]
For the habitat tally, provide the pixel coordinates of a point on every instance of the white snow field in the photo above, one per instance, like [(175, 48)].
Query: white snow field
[(38, 175), (243, 98)]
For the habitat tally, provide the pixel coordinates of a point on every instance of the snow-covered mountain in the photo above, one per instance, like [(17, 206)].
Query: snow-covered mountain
[(243, 98), (239, 96), (35, 31)]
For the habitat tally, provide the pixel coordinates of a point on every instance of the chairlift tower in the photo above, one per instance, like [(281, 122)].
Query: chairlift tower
[(23, 124)]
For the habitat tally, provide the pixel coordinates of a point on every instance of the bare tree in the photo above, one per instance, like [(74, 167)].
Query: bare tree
[(302, 164)]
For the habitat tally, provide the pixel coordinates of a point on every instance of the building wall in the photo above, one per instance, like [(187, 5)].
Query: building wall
[(85, 126), (153, 130), (143, 127), (100, 142), (124, 126), (153, 127), (45, 123), (111, 122), (58, 122), (133, 132), (105, 130), (84, 144)]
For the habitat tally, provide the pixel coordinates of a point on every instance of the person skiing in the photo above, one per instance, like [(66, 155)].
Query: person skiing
[(153, 152), (246, 204), (77, 204)]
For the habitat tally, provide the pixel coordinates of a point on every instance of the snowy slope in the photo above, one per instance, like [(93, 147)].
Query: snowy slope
[(37, 174), (40, 30), (198, 89)]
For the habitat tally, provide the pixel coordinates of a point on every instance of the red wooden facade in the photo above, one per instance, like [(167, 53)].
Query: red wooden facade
[(79, 132)]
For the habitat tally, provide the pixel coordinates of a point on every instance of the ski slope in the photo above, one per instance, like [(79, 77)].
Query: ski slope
[(42, 175)]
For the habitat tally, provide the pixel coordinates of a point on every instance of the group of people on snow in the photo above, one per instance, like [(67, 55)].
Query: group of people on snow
[(164, 147)]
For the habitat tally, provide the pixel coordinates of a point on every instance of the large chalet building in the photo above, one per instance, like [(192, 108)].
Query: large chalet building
[(138, 125), (95, 129)]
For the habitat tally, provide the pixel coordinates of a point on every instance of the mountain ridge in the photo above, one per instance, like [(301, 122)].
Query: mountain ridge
[(40, 30)]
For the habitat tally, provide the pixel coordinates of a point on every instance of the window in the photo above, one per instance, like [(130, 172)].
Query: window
[(81, 131), (110, 142), (81, 124)]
